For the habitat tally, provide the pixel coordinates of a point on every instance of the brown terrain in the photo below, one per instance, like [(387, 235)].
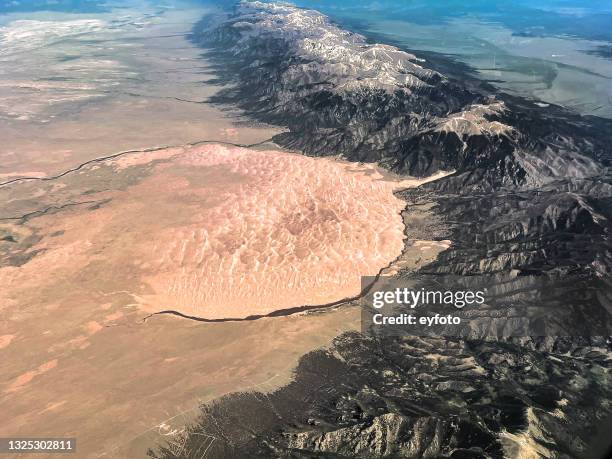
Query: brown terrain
[(75, 87), (97, 241), (209, 230)]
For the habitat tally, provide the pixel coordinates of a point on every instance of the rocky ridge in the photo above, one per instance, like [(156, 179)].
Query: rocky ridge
[(415, 398), (529, 212)]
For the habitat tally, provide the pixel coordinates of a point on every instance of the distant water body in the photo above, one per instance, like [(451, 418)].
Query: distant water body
[(555, 51)]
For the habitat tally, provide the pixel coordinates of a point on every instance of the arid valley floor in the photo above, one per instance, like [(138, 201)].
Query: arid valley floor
[(191, 193), (103, 222)]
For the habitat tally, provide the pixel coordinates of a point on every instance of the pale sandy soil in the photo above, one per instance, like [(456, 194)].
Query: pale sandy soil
[(116, 383), (215, 232), (210, 230), (102, 83)]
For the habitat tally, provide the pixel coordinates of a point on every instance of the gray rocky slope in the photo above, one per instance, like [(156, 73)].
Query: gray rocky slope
[(528, 209)]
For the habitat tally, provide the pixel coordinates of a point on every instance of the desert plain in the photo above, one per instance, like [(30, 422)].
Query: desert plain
[(125, 194)]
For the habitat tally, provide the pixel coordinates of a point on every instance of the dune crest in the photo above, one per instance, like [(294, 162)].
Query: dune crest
[(214, 231), (284, 231)]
